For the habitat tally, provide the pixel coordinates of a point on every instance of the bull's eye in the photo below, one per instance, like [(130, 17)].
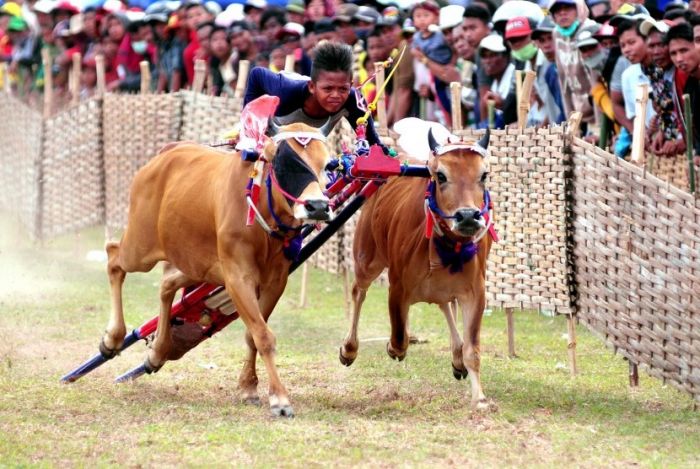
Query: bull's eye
[(441, 178), (484, 177)]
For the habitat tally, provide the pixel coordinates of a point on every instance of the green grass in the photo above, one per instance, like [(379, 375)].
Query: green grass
[(54, 306)]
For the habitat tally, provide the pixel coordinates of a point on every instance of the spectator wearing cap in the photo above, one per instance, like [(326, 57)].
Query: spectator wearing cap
[(326, 98), (607, 36), (296, 11), (115, 27), (63, 10), (600, 10), (665, 136), (344, 21), (430, 45), (569, 16), (686, 59), (253, 10), (500, 73), (364, 20), (326, 30), (195, 15), (136, 47), (171, 73), (547, 81), (290, 40), (450, 16), (390, 27)]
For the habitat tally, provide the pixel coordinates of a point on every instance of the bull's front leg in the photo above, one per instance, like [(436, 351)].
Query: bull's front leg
[(472, 313), (398, 315), (116, 327), (241, 288), (348, 351), (450, 311)]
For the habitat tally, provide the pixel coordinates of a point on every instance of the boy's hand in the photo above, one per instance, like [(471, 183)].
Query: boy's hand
[(495, 97)]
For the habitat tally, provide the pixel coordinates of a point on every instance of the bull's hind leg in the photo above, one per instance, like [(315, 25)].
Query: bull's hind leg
[(171, 282), (348, 351), (116, 327), (472, 313), (458, 369)]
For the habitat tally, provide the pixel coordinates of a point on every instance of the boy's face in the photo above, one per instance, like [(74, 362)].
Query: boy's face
[(658, 50), (633, 46), (375, 50), (218, 42), (565, 15), (683, 55), (423, 18), (196, 15), (518, 42), (331, 89), (546, 44), (474, 30), (494, 63)]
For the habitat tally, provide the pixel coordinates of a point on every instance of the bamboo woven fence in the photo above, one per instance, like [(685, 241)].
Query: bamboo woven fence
[(206, 118), (21, 138), (637, 257), (72, 168)]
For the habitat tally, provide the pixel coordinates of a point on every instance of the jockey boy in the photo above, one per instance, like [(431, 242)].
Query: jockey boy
[(328, 94)]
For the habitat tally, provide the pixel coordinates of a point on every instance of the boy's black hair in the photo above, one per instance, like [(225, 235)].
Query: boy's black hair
[(674, 14), (681, 31), (272, 12), (478, 12), (626, 25), (694, 20), (331, 57), (206, 24), (215, 28)]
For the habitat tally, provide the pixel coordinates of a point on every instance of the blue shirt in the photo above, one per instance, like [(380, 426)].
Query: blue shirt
[(293, 91)]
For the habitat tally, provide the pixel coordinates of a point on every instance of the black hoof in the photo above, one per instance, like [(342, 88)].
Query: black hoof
[(459, 374), (107, 353), (344, 360), (149, 367), (282, 411), (252, 400), (393, 355)]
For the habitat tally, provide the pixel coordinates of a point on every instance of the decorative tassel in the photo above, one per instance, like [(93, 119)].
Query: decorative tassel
[(455, 256), (292, 247)]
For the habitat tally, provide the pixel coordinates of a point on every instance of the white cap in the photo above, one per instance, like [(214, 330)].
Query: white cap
[(649, 24), (44, 6), (212, 7), (233, 12), (493, 42), (451, 16)]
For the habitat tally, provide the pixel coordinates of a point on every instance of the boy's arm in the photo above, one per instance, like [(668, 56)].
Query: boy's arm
[(261, 81)]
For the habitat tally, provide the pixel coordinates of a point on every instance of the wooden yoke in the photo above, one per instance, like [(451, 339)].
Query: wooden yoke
[(381, 104), (145, 77)]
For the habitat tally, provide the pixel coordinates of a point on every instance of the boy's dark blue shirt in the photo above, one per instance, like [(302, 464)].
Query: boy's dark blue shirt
[(293, 91)]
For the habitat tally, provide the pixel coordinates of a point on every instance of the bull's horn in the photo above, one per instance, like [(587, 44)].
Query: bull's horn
[(431, 141), (274, 128), (484, 142), (326, 128)]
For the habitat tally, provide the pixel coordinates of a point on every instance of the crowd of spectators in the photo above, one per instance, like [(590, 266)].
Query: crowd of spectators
[(588, 57)]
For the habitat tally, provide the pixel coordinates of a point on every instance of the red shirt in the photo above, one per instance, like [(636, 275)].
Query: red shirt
[(188, 56)]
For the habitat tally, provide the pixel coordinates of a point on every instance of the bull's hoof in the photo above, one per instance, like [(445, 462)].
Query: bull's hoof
[(252, 400), (393, 354), (106, 352), (459, 374), (282, 411), (149, 367), (343, 359)]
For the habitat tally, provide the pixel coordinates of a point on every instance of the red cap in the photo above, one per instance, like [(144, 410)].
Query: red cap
[(429, 5), (518, 27)]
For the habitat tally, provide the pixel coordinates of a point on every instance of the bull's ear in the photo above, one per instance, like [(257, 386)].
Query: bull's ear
[(433, 164), (484, 141)]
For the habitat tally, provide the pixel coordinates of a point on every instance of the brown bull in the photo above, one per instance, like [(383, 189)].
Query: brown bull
[(188, 207), (391, 233)]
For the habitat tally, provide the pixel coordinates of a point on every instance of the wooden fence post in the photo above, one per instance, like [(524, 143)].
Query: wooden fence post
[(289, 63), (524, 98), (7, 86), (381, 104), (633, 374), (200, 72), (571, 343), (100, 69), (243, 69), (75, 78), (511, 332), (48, 82), (456, 103), (640, 117), (145, 77)]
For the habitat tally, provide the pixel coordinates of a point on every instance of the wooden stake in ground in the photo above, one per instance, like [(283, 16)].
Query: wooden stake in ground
[(634, 374), (48, 82), (100, 69), (145, 77), (688, 114), (243, 69), (75, 78), (511, 332), (289, 63), (200, 76), (524, 98), (639, 128), (571, 345), (304, 284), (456, 104), (381, 104), (7, 86), (491, 110)]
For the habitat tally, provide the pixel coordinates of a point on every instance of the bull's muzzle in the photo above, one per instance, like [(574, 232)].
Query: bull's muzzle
[(467, 221), (317, 210)]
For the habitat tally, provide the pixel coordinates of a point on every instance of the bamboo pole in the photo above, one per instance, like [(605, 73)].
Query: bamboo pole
[(243, 69), (304, 284), (633, 374), (100, 69), (511, 332), (518, 85), (640, 117), (48, 82), (574, 123), (7, 86), (289, 63), (456, 104), (524, 99), (145, 77), (75, 83), (571, 344), (491, 107), (200, 74), (381, 104), (688, 113)]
